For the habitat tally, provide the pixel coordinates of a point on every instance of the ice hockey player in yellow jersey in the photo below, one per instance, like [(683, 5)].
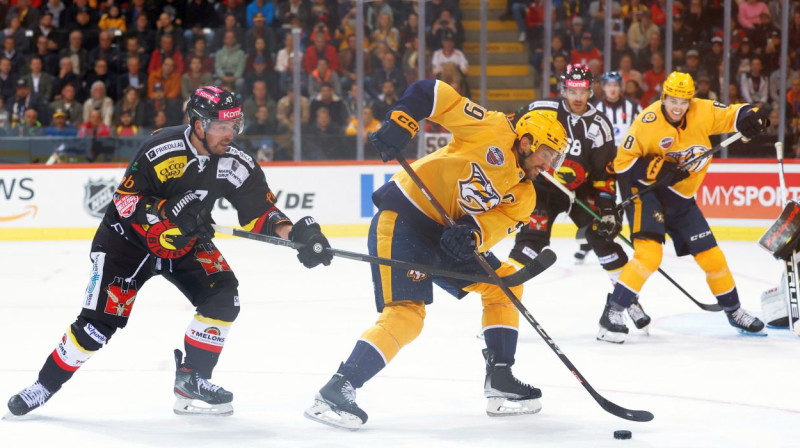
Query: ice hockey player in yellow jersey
[(482, 180), (665, 135)]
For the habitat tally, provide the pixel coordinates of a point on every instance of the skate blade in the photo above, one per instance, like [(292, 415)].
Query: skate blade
[(188, 406), (610, 336), (757, 334), (645, 329), (503, 407), (323, 413)]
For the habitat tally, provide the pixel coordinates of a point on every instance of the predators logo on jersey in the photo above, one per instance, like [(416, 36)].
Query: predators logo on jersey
[(476, 193), (690, 153)]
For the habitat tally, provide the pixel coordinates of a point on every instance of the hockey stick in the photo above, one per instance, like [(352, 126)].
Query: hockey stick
[(527, 272), (724, 144), (571, 194), (619, 411), (790, 265)]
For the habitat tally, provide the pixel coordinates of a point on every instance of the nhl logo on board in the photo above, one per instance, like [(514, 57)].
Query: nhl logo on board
[(666, 143), (97, 194), (494, 156)]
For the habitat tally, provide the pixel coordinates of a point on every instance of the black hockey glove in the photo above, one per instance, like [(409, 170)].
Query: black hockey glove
[(308, 232), (610, 223), (395, 133), (186, 211), (752, 122), (665, 172), (461, 240)]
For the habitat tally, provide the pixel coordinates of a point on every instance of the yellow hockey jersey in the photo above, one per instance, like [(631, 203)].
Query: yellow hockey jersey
[(477, 173), (652, 135)]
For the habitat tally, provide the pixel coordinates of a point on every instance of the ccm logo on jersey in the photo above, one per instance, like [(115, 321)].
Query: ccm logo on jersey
[(477, 194), (700, 235), (158, 151)]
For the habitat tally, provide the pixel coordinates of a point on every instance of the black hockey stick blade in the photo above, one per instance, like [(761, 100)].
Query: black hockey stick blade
[(627, 414), (527, 272)]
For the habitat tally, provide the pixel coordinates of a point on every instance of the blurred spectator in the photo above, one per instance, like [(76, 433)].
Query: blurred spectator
[(165, 26), (775, 85), (194, 78), (558, 68), (347, 62), (113, 20), (291, 10), (408, 31), (573, 37), (704, 88), (754, 86), (45, 29), (139, 8), (619, 46), (69, 104), (27, 15), (259, 50), (681, 36), (175, 9), (56, 9), (30, 125), (740, 61), (645, 55), (41, 83), (772, 52), (134, 77), (451, 75), (320, 49), (100, 74), (793, 101), (261, 31), (322, 74), (697, 20), (130, 103), (5, 119), (49, 58), (378, 7), (322, 137), (733, 94), (161, 120), (265, 7), (168, 77), (21, 101), (434, 8), (658, 9), (750, 12), (410, 62), (448, 53), (633, 91), (8, 78), (517, 9), (125, 127), (285, 113), (229, 61), (371, 124), (388, 71), (386, 100), (283, 56), (106, 51), (94, 128), (200, 21), (586, 51), (653, 79), (352, 98), (597, 16), (11, 53), (260, 72), (161, 104), (99, 101), (145, 35), (87, 26), (59, 126), (166, 49), (761, 31), (262, 123), (321, 13), (640, 31), (630, 9), (133, 48), (328, 99), (259, 97), (229, 23), (567, 13), (17, 33), (76, 53), (713, 58), (627, 71), (692, 64), (200, 50), (386, 31), (68, 17)]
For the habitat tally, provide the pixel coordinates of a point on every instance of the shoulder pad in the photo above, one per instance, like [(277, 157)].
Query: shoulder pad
[(241, 155)]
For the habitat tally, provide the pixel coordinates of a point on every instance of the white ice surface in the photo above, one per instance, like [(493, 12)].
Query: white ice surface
[(706, 385)]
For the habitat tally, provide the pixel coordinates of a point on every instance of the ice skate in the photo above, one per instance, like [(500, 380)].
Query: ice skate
[(28, 399), (580, 254), (745, 323), (612, 326), (335, 405), (505, 393), (196, 395), (640, 319)]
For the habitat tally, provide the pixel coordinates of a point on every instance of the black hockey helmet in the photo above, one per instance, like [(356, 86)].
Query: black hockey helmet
[(577, 76), (210, 103)]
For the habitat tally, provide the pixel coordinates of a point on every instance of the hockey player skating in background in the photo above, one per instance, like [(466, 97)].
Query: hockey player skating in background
[(667, 133), (481, 180), (586, 170), (159, 223)]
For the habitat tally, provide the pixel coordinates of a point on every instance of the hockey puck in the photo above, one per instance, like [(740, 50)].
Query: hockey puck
[(622, 434)]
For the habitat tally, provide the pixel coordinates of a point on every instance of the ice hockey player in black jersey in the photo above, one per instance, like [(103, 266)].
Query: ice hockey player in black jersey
[(587, 170), (159, 223)]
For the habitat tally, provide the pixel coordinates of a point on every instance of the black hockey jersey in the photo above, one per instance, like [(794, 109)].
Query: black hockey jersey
[(591, 150), (167, 165)]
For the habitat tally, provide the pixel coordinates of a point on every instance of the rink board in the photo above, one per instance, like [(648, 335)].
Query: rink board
[(740, 199)]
